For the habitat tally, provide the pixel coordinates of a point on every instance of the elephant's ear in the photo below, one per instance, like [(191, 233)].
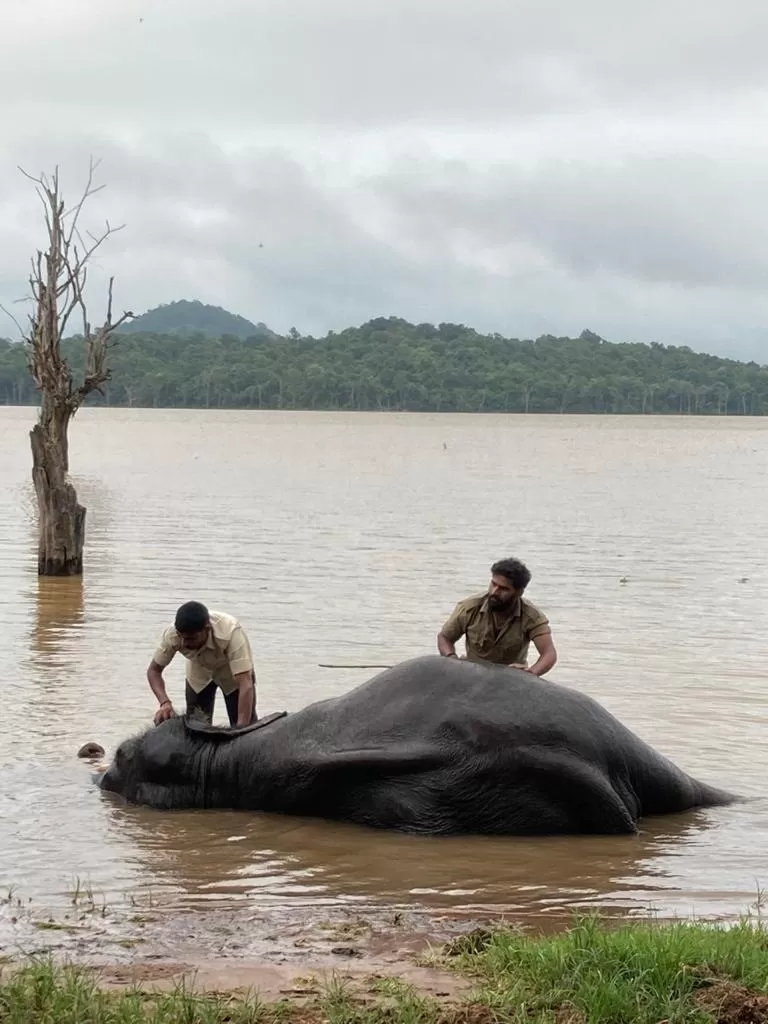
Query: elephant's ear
[(200, 727)]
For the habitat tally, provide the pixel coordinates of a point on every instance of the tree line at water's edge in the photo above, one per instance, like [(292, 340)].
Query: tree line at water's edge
[(390, 364)]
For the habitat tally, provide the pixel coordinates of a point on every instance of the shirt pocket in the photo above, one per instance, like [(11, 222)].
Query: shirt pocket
[(478, 638)]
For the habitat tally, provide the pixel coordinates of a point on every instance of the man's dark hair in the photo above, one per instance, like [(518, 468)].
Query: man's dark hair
[(513, 570), (192, 617)]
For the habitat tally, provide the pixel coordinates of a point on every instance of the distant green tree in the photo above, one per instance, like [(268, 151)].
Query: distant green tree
[(390, 364)]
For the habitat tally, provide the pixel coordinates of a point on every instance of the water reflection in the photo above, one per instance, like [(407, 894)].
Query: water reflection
[(59, 611), (55, 659), (270, 859)]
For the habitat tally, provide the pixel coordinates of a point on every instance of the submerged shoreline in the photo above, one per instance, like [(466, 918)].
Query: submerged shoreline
[(135, 925)]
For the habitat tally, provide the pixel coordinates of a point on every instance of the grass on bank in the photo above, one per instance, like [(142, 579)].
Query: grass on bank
[(639, 973), (644, 973)]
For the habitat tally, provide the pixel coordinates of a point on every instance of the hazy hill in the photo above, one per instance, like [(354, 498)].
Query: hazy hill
[(193, 317)]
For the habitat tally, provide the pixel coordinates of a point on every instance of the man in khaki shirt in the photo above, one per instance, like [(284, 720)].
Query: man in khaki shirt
[(218, 656), (499, 625)]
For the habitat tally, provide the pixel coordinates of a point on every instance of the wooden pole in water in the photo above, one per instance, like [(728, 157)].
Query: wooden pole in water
[(322, 665)]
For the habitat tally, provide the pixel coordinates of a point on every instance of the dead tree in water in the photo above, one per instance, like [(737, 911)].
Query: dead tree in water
[(58, 281)]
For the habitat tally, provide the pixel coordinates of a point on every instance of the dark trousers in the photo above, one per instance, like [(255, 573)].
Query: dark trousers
[(205, 700)]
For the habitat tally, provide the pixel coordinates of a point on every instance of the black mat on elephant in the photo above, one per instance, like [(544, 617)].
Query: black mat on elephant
[(203, 727)]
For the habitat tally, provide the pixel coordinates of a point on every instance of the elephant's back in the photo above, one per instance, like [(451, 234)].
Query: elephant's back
[(455, 703), (460, 710)]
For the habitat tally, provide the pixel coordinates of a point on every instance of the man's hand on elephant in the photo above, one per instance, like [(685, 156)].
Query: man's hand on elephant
[(164, 712), (516, 664)]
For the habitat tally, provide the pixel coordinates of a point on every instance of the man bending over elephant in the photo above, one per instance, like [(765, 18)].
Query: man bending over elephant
[(218, 655), (499, 625)]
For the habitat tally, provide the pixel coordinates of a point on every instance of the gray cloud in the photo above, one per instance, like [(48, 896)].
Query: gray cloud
[(363, 62), (526, 168), (680, 220)]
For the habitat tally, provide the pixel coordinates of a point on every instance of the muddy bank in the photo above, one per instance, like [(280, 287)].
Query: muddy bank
[(276, 982), (594, 970), (283, 952), (94, 929), (99, 934), (87, 929), (222, 951)]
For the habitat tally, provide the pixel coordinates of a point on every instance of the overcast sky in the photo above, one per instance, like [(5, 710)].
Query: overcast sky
[(522, 167)]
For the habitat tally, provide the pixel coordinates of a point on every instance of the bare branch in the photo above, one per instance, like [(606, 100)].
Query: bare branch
[(88, 191), (41, 180), (57, 281), (81, 259), (8, 313), (69, 310), (109, 300)]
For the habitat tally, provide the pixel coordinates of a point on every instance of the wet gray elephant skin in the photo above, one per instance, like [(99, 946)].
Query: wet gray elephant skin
[(433, 746)]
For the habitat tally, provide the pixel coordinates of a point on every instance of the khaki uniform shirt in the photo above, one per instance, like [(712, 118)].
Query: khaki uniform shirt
[(224, 654), (506, 644)]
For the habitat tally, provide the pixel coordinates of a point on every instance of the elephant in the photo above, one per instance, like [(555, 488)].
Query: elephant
[(432, 746)]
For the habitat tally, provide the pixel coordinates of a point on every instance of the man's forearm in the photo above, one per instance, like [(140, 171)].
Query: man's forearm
[(544, 664), (246, 699), (157, 684), (445, 646)]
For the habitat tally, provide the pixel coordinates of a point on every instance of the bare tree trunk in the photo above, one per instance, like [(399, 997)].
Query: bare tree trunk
[(61, 516), (58, 279)]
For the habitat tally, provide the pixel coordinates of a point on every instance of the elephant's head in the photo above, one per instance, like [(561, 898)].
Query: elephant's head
[(172, 765), (164, 767)]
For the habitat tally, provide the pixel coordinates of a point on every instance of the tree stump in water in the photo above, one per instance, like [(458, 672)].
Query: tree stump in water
[(61, 516), (57, 283)]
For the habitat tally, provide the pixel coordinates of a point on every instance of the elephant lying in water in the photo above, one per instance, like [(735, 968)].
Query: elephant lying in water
[(433, 746)]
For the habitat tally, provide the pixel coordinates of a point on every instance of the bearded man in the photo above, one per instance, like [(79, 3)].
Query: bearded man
[(499, 625)]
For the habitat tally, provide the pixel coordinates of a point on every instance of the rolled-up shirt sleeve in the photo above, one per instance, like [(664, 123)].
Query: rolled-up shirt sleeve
[(239, 652), (455, 625), (166, 649), (538, 626)]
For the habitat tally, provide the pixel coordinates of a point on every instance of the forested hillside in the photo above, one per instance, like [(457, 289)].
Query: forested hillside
[(392, 364), (185, 317)]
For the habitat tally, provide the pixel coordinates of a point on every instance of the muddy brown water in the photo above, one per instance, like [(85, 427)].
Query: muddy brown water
[(347, 538)]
